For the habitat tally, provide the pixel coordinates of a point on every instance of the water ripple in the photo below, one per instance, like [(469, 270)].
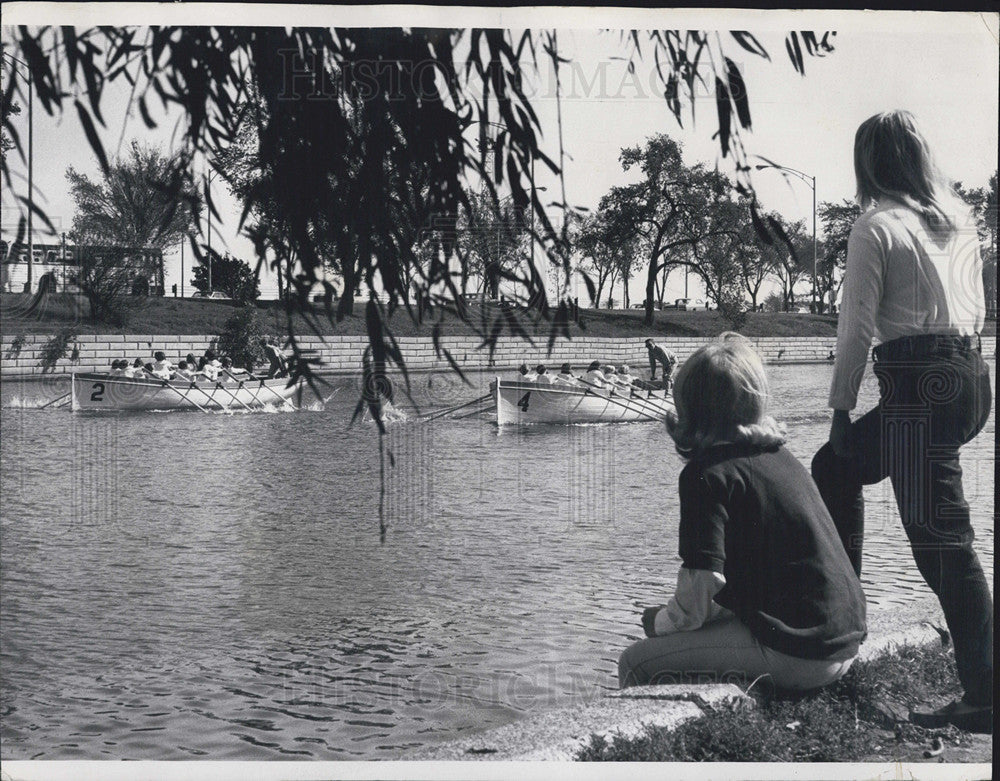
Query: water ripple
[(193, 585)]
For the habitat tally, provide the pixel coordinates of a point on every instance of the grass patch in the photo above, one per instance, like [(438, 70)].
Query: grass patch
[(851, 720), (184, 316)]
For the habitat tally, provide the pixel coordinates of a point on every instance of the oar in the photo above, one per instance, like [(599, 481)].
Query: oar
[(641, 403), (57, 398), (645, 405), (471, 414), (233, 395), (281, 399), (614, 400), (457, 408), (184, 396)]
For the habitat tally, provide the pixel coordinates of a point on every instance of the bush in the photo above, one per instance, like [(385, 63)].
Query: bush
[(230, 275), (240, 338), (55, 349)]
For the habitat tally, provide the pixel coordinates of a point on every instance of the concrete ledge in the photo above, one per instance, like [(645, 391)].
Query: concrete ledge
[(558, 735)]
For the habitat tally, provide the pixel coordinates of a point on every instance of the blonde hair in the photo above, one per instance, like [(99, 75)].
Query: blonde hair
[(892, 158), (721, 394)]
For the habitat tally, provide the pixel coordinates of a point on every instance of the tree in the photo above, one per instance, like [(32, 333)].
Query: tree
[(232, 276), (122, 223), (727, 258), (837, 220), (753, 268), (106, 276), (135, 204), (788, 258), (492, 240), (685, 216), (609, 248), (983, 202), (328, 149)]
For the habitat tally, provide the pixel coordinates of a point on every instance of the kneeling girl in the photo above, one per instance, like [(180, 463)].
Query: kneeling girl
[(765, 587)]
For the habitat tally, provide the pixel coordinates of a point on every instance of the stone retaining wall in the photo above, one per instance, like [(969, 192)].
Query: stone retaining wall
[(342, 354)]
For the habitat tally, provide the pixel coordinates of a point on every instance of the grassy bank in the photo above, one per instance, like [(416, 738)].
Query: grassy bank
[(861, 718), (175, 316)]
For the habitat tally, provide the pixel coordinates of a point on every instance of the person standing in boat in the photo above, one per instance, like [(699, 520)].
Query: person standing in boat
[(662, 356), (765, 588), (277, 365), (914, 280)]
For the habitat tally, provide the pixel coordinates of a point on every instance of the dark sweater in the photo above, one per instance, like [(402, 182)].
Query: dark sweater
[(756, 516)]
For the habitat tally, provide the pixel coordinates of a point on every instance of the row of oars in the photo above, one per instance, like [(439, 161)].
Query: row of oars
[(451, 410), (632, 403)]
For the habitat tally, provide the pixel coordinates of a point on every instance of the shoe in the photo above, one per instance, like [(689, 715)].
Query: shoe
[(970, 718)]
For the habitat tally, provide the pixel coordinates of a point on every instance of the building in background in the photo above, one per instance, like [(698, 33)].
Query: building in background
[(60, 263)]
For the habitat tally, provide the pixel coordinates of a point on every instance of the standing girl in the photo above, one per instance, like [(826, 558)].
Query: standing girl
[(765, 587), (914, 280)]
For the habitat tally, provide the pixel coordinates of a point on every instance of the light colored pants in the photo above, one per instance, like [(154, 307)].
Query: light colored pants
[(722, 651)]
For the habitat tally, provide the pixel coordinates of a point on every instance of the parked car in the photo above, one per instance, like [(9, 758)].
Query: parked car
[(215, 295), (684, 304)]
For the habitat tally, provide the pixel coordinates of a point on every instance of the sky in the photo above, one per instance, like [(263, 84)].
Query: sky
[(941, 66)]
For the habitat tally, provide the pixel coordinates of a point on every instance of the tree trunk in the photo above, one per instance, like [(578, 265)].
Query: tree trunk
[(346, 305)]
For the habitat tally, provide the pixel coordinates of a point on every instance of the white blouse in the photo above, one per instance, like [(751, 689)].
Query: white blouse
[(901, 280)]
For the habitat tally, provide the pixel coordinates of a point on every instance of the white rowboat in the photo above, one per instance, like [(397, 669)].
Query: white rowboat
[(104, 392), (528, 402)]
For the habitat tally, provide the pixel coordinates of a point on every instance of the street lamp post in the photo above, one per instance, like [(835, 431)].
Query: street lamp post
[(31, 167), (811, 181), (208, 217)]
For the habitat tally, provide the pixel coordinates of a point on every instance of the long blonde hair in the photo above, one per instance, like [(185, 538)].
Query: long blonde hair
[(892, 159), (721, 394)]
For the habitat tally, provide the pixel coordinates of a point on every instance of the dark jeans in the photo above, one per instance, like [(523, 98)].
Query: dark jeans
[(935, 396)]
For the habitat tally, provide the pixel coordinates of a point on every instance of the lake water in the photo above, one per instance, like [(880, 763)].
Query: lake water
[(180, 585)]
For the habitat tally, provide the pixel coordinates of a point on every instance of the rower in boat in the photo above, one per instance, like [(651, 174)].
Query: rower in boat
[(526, 375), (625, 375), (184, 372), (210, 365), (541, 375), (594, 375), (135, 370), (565, 376), (611, 377), (162, 368), (231, 372)]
